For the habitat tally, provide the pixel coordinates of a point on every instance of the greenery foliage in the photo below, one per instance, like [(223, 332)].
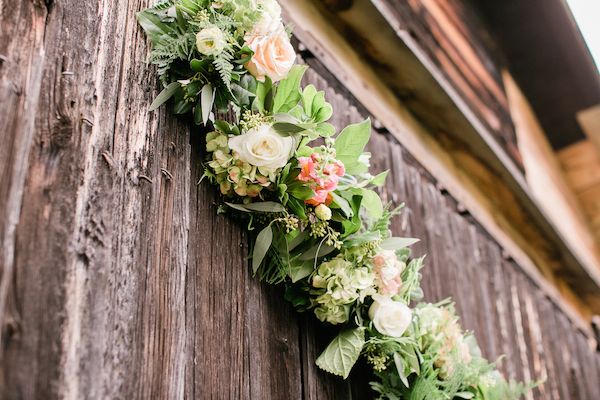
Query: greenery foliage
[(321, 229)]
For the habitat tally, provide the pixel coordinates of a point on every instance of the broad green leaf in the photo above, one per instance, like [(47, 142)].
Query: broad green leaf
[(397, 243), (264, 95), (351, 142), (223, 126), (307, 98), (300, 192), (198, 66), (342, 353), (323, 114), (165, 95), (317, 103), (464, 395), (325, 129), (372, 203), (261, 246), (207, 98), (288, 91)]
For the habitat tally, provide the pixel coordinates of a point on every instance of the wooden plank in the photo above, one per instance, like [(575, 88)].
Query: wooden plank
[(87, 209), (554, 386), (531, 335), (581, 163), (586, 355), (21, 71)]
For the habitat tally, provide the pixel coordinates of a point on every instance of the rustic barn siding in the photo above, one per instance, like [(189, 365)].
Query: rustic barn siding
[(120, 281)]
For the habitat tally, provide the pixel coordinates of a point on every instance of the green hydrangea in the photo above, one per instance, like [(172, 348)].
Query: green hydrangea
[(337, 284), (233, 175)]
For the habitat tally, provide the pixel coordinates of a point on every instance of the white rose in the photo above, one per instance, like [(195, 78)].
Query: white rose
[(263, 147), (273, 56), (210, 41), (270, 18), (390, 317)]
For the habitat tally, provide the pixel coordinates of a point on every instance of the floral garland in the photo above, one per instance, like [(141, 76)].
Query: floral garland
[(323, 230)]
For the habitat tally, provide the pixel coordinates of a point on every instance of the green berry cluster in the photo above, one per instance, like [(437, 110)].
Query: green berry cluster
[(251, 120)]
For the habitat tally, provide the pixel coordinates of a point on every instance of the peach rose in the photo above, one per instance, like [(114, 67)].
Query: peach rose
[(273, 56)]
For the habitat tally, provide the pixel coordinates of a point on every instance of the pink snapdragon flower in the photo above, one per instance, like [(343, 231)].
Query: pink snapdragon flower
[(322, 179), (387, 270)]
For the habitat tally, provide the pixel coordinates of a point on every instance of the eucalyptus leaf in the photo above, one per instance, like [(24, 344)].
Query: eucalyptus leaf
[(153, 26), (295, 242), (261, 246), (198, 112), (400, 368), (286, 128), (182, 107), (265, 206), (207, 99), (397, 243), (300, 270), (317, 251), (165, 95), (343, 352), (238, 207)]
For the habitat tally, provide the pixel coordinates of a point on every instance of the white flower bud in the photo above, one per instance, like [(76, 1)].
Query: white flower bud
[(323, 212)]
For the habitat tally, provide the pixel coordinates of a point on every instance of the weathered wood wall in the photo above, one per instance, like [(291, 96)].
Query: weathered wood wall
[(120, 281)]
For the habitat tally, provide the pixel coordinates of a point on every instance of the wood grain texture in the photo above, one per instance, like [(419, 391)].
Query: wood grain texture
[(119, 279)]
